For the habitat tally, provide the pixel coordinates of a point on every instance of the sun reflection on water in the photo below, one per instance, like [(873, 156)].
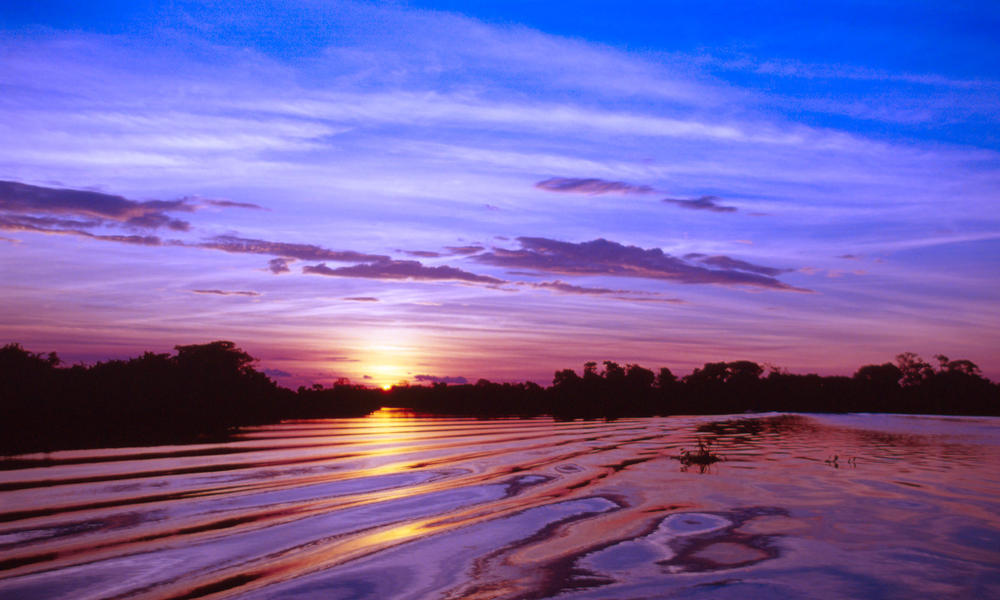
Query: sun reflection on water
[(394, 504)]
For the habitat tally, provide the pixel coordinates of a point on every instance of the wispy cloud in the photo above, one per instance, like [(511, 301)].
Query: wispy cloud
[(40, 209), (227, 292), (804, 70), (24, 199), (594, 186), (279, 265), (726, 262), (449, 251), (568, 288), (361, 299), (591, 186), (33, 223), (233, 204), (463, 250), (440, 379), (401, 269), (709, 203), (603, 257), (241, 245), (57, 226)]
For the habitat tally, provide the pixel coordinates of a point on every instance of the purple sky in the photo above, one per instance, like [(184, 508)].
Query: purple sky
[(406, 192)]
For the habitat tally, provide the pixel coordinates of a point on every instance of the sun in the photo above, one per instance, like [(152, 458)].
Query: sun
[(387, 387)]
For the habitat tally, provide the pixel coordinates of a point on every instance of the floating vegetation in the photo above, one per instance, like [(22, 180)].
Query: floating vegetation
[(834, 461), (703, 457)]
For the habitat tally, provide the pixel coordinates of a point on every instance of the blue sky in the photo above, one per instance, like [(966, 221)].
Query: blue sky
[(382, 191)]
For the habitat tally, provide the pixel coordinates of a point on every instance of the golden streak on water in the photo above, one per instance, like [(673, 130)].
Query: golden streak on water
[(399, 506)]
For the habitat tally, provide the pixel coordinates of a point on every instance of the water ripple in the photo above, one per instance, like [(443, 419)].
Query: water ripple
[(406, 507)]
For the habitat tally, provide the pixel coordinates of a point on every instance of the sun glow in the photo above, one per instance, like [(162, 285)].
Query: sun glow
[(386, 352), (385, 375)]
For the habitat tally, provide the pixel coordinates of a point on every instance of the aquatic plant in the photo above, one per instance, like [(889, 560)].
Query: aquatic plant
[(834, 461), (703, 456)]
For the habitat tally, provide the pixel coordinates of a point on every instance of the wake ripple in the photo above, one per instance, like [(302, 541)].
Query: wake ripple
[(393, 507)]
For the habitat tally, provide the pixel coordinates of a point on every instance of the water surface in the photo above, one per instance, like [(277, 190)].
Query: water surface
[(391, 506)]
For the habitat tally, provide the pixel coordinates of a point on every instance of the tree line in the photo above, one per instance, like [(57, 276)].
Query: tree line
[(204, 391), (612, 390), (201, 392)]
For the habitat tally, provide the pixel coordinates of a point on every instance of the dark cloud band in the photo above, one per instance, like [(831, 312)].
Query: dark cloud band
[(24, 199), (591, 186), (240, 245), (603, 257), (226, 292), (401, 269), (438, 379), (708, 203)]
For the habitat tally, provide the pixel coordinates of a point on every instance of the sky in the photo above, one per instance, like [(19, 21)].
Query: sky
[(444, 191)]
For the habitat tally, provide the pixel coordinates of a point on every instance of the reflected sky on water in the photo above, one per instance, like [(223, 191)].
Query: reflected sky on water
[(401, 506)]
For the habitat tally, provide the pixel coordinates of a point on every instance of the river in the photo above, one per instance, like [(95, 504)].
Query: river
[(399, 506)]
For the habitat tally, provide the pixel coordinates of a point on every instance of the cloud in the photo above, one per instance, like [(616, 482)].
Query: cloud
[(568, 288), (401, 269), (361, 299), (157, 220), (437, 379), (240, 245), (462, 250), (68, 211), (24, 199), (562, 286), (232, 204), (603, 257), (701, 203), (276, 373), (339, 358), (850, 256), (726, 262), (227, 292), (18, 201), (595, 187), (46, 225), (279, 265), (138, 240), (451, 251), (32, 223), (591, 186)]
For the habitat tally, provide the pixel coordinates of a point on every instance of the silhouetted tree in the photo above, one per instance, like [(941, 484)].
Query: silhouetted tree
[(209, 389), (913, 368), (877, 388), (665, 378), (963, 366), (723, 387)]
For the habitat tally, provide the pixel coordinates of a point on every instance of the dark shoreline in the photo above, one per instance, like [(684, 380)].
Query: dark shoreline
[(205, 392)]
